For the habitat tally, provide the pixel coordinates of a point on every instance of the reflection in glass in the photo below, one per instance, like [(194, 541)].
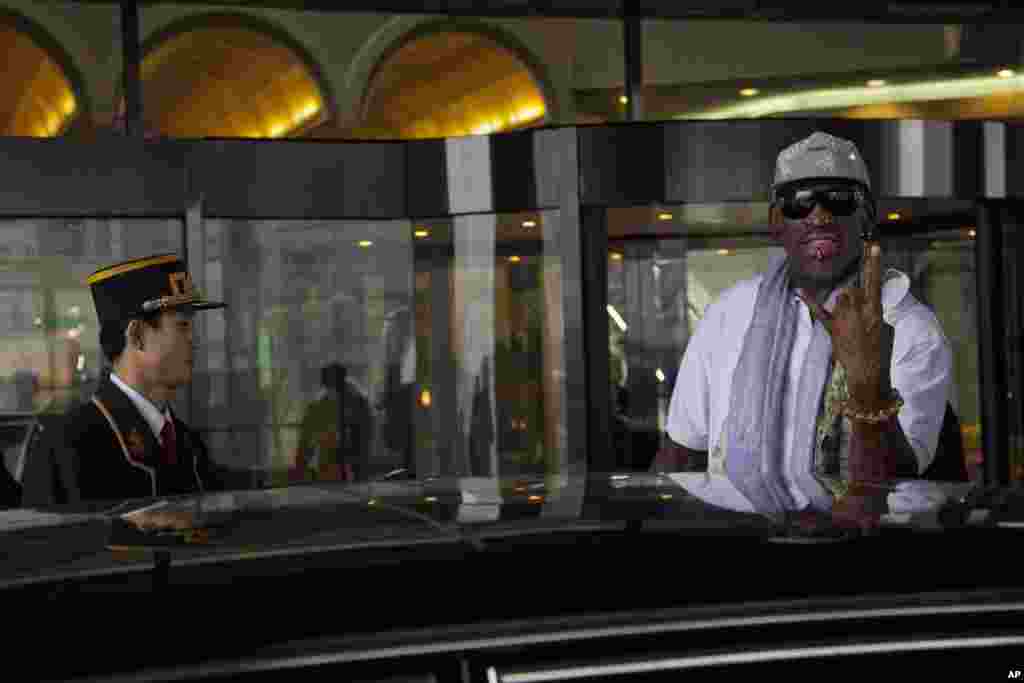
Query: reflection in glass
[(1014, 311), (356, 350), (658, 289), (941, 264)]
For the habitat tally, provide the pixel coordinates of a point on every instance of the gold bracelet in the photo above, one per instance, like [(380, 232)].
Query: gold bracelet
[(879, 415), (859, 489)]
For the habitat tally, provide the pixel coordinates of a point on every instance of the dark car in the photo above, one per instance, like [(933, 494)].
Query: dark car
[(619, 576)]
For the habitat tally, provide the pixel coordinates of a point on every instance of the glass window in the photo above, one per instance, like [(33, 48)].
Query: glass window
[(942, 264), (49, 336), (1012, 219), (356, 350), (723, 69), (666, 264)]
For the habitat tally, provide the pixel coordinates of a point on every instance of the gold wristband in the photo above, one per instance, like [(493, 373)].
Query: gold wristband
[(878, 416)]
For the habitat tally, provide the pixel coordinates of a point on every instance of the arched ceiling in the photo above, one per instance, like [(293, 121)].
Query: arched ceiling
[(39, 99), (448, 84), (228, 82)]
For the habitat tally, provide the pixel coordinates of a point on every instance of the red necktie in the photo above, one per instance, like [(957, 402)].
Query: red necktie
[(169, 442)]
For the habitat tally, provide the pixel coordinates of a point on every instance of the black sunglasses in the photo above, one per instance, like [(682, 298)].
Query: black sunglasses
[(798, 203)]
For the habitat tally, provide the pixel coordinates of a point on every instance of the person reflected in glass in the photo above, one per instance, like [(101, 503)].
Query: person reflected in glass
[(126, 442), (397, 396), (809, 388), (336, 431), (26, 388)]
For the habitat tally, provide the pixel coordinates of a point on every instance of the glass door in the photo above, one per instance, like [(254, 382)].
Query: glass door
[(667, 264), (1002, 329)]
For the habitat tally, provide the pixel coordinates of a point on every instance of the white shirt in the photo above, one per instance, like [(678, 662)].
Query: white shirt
[(153, 416), (921, 370)]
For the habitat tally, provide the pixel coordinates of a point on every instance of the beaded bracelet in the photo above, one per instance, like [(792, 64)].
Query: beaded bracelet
[(878, 416)]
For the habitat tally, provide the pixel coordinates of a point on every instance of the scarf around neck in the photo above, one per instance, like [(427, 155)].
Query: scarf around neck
[(753, 433)]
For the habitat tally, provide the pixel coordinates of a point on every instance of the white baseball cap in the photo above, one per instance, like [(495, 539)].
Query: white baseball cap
[(823, 156)]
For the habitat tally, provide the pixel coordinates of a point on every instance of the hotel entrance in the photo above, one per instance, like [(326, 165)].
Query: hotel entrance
[(519, 312)]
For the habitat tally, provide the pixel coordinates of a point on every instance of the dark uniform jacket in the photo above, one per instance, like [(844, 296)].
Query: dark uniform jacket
[(105, 450)]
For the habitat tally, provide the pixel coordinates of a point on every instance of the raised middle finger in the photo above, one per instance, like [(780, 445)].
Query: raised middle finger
[(872, 279)]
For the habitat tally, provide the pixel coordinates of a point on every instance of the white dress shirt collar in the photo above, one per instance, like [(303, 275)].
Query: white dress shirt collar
[(154, 416)]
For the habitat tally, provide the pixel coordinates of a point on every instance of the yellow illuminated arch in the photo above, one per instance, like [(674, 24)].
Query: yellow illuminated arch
[(39, 100), (448, 84), (223, 81)]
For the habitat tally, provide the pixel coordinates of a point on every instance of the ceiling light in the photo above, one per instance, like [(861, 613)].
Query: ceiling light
[(1008, 83), (422, 233), (365, 243), (876, 83), (1006, 73), (972, 233), (514, 259), (623, 99), (723, 252), (529, 224), (616, 256), (749, 92), (532, 112), (894, 216), (664, 216)]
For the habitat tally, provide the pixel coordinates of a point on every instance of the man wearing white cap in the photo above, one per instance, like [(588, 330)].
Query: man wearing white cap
[(812, 386)]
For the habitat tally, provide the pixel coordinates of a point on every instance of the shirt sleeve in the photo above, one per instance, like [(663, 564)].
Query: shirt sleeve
[(688, 412), (922, 371)]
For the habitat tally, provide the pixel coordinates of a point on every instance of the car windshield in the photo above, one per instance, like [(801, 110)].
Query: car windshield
[(338, 280)]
